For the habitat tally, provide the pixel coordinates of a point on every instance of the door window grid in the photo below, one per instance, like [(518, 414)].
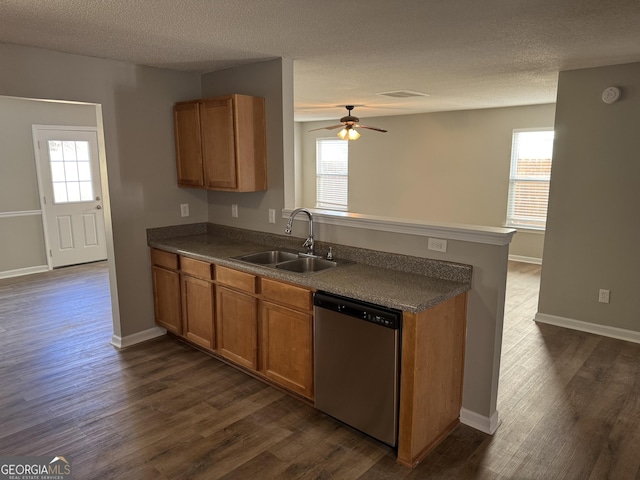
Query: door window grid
[(70, 171)]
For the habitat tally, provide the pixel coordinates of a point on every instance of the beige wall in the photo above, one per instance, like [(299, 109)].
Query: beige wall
[(594, 224), (22, 238), (440, 167), (21, 245), (138, 132)]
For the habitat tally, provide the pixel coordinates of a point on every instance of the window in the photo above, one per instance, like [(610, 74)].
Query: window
[(529, 179), (70, 171), (332, 173)]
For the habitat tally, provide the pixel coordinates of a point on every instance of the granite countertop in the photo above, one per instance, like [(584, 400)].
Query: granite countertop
[(394, 288)]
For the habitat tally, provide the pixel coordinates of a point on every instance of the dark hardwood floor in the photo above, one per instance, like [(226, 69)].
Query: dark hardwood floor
[(569, 401)]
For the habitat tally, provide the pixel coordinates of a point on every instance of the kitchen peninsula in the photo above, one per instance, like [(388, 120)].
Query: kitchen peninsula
[(431, 294)]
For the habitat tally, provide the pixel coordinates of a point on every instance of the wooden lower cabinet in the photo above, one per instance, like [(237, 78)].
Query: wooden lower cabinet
[(237, 327), (433, 345), (166, 299), (198, 300), (287, 347), (266, 325)]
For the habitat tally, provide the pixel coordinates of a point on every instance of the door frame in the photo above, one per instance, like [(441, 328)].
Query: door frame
[(100, 161)]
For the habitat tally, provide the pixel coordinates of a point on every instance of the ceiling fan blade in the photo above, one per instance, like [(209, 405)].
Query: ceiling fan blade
[(327, 128), (371, 128)]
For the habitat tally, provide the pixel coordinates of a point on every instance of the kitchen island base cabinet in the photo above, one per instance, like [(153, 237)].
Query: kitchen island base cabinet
[(237, 327), (286, 348), (166, 299), (198, 311), (266, 326), (166, 290), (432, 366)]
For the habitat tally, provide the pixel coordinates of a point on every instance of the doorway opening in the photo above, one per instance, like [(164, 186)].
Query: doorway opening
[(23, 211)]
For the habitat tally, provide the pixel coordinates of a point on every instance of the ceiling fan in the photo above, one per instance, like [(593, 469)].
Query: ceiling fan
[(349, 124)]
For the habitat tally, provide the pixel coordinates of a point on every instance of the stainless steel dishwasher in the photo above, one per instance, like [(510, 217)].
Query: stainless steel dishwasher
[(357, 365)]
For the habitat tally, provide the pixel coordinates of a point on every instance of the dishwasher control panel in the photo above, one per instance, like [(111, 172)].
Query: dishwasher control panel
[(383, 316)]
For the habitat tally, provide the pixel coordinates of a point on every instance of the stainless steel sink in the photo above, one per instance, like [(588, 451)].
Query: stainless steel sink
[(270, 257), (306, 265), (291, 262)]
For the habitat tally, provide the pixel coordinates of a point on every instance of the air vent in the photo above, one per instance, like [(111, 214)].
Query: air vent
[(403, 94)]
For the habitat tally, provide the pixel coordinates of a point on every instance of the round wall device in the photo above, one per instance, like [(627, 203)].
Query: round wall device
[(611, 95)]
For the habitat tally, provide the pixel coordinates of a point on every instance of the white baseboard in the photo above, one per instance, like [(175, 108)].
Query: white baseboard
[(604, 330), (24, 271), (480, 422), (123, 342), (520, 258)]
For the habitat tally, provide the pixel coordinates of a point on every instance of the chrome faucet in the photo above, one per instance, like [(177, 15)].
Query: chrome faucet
[(308, 243)]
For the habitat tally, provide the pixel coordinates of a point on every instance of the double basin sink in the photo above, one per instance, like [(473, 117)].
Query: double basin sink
[(291, 262)]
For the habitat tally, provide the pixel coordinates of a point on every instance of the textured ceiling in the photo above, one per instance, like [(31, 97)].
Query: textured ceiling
[(465, 54)]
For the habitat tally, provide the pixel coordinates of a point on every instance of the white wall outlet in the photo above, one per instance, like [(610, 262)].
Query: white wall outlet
[(603, 296), (272, 215), (234, 210), (437, 245), (184, 209)]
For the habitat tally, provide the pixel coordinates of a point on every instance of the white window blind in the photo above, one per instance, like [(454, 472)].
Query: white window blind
[(332, 173), (531, 153)]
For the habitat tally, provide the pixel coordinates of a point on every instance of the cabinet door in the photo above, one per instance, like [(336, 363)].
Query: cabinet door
[(166, 299), (218, 146), (198, 311), (251, 146), (287, 348), (186, 120), (237, 327)]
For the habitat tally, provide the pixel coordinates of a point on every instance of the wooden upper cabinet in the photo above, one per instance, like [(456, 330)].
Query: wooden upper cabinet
[(186, 122), (229, 148), (218, 143)]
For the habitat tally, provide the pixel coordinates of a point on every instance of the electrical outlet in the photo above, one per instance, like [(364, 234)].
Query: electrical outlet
[(272, 215), (437, 244), (184, 210), (234, 210), (603, 296)]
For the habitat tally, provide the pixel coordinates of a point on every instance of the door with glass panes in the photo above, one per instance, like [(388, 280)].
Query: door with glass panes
[(69, 171)]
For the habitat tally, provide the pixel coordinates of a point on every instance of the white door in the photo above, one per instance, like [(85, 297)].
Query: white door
[(69, 173)]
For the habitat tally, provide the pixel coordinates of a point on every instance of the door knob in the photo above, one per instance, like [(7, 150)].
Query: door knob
[(99, 207)]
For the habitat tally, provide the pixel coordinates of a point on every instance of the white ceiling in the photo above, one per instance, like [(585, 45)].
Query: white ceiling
[(465, 54)]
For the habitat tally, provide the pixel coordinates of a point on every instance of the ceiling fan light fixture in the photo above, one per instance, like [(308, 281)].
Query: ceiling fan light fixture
[(348, 133), (348, 123)]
